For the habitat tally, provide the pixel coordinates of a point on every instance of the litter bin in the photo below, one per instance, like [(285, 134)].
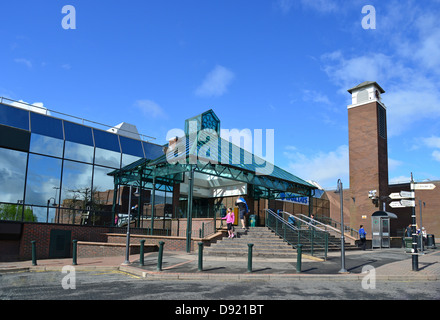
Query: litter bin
[(252, 220), (430, 241), (408, 244)]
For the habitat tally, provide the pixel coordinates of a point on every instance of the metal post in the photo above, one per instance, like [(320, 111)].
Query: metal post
[(141, 253), (74, 255), (298, 257), (189, 213), (249, 266), (160, 256), (421, 228), (415, 257), (34, 252), (200, 256), (153, 203), (127, 244), (341, 199)]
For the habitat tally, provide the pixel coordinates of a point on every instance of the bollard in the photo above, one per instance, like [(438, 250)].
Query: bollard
[(249, 266), (160, 256), (141, 253), (298, 257), (200, 256), (74, 255), (34, 252)]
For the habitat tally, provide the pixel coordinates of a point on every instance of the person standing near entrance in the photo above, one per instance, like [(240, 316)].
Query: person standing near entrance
[(243, 210), (230, 218), (362, 237)]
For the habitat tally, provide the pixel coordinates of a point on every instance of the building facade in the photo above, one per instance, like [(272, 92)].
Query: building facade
[(55, 170)]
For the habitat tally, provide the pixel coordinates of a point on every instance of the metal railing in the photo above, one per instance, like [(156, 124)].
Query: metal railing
[(337, 226), (68, 117), (312, 239)]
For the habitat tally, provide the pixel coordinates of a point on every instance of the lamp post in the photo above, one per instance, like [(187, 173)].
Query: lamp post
[(341, 198), (48, 203), (127, 244)]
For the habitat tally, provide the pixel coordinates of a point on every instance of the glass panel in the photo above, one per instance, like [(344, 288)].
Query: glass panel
[(12, 175), (103, 187), (152, 151), (107, 158), (77, 182), (128, 159), (47, 126), (14, 117), (13, 138), (132, 147), (14, 212), (80, 152), (46, 145), (78, 133), (43, 182), (106, 140)]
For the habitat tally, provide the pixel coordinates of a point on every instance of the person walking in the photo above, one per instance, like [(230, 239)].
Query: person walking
[(230, 218), (243, 210), (362, 237)]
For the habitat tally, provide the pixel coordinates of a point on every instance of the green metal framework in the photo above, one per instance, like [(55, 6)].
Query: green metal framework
[(202, 150)]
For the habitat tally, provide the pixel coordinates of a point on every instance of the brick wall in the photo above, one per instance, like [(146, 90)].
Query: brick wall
[(40, 232)]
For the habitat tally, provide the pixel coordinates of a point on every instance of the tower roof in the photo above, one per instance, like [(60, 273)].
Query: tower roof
[(365, 84)]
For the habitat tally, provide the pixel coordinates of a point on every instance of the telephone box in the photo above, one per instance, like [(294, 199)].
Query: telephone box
[(380, 226)]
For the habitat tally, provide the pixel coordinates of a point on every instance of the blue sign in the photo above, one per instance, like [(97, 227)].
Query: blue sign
[(295, 199)]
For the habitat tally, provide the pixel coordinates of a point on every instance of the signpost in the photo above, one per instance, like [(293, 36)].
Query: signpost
[(400, 204), (406, 199), (422, 186)]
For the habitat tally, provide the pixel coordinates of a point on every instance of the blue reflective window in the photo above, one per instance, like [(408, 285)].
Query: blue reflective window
[(152, 151), (106, 140), (43, 180), (78, 151), (12, 174), (14, 117), (78, 133), (46, 145), (107, 158), (77, 184), (131, 146), (46, 126)]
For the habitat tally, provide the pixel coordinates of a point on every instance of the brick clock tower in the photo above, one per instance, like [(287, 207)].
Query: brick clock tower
[(368, 153)]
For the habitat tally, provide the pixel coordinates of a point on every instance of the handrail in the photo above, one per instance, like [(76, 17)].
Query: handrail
[(326, 226), (313, 240), (65, 116), (310, 225), (333, 229), (348, 231)]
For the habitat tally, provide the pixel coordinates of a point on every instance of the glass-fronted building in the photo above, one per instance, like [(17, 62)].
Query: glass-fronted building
[(53, 167)]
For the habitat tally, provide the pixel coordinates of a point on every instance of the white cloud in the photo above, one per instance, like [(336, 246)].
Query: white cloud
[(407, 65), (432, 142), (150, 108), (216, 82), (315, 96), (322, 6), (436, 155), (284, 5), (26, 62), (325, 168), (399, 179)]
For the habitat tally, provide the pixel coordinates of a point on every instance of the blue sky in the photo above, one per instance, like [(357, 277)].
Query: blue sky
[(275, 64)]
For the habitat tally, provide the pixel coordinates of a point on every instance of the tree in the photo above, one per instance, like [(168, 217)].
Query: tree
[(13, 212)]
